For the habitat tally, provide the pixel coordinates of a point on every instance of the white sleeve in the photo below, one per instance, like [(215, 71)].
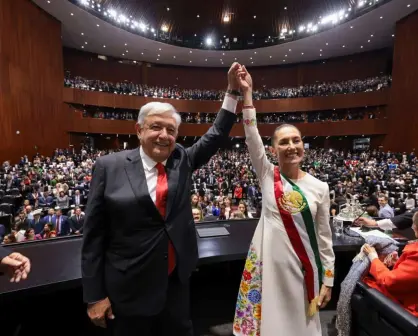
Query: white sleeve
[(386, 224), (324, 238), (255, 144)]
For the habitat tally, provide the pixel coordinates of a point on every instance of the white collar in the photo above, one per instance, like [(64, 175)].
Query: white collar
[(147, 161)]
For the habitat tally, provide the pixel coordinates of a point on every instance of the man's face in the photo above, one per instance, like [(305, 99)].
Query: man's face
[(158, 136), (78, 212), (382, 201)]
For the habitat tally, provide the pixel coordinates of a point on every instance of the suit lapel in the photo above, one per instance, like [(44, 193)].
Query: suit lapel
[(136, 176), (173, 175)]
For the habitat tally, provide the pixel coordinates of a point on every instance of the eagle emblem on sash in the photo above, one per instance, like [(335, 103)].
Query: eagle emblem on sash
[(292, 202)]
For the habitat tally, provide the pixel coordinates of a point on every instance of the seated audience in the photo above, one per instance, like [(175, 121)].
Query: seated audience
[(401, 283), (385, 210)]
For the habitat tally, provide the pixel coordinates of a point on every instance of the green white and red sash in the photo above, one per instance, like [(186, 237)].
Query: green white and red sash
[(300, 228)]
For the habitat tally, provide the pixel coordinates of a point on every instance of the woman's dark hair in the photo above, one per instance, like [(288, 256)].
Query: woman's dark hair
[(246, 208), (278, 128)]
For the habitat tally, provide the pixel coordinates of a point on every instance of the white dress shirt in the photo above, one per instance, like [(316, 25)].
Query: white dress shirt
[(386, 224), (151, 172)]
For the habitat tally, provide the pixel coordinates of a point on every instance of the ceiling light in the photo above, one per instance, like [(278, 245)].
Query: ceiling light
[(82, 47), (82, 33), (368, 41), (72, 14), (320, 49), (126, 44), (252, 62), (198, 16), (164, 28), (223, 54), (158, 48), (255, 16), (190, 51), (284, 60), (271, 56), (190, 61), (408, 5), (320, 54), (393, 35), (123, 54), (361, 4), (49, 1), (290, 49), (98, 25), (285, 8), (168, 9), (302, 53), (195, 35), (127, 51), (381, 17), (255, 52), (371, 35), (251, 58), (208, 41), (253, 35), (351, 27), (206, 60), (326, 43), (158, 55), (142, 53), (158, 59), (226, 18), (104, 46), (361, 47), (174, 56), (85, 42), (343, 46)]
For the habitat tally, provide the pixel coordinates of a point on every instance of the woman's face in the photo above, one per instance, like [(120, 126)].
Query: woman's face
[(46, 228), (415, 228), (288, 146), (241, 208), (228, 203), (194, 199)]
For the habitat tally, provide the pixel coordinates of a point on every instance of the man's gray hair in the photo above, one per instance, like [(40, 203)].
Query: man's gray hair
[(157, 108)]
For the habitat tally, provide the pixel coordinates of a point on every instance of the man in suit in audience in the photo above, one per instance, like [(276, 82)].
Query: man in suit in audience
[(14, 263), (37, 223), (61, 224), (139, 242), (78, 199), (77, 221)]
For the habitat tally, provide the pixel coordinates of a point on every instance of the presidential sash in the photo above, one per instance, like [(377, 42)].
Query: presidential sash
[(300, 228)]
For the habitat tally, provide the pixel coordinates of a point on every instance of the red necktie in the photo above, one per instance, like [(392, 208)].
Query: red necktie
[(161, 204)]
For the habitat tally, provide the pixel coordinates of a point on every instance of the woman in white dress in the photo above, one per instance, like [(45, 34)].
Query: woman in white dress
[(289, 271)]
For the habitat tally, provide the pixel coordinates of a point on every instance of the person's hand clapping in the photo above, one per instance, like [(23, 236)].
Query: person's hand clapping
[(17, 265)]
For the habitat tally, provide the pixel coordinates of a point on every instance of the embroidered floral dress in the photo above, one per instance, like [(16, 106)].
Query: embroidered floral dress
[(291, 254)]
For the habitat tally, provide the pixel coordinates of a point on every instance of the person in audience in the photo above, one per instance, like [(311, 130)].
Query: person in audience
[(77, 221), (385, 210), (37, 223), (126, 278), (292, 241), (15, 264), (22, 223), (400, 283), (237, 215), (410, 202), (78, 198), (30, 235), (197, 215), (9, 239), (63, 201), (242, 207), (222, 212), (61, 224), (46, 233), (228, 210), (372, 211)]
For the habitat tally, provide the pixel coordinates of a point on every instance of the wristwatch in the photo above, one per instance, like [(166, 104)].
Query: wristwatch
[(234, 92)]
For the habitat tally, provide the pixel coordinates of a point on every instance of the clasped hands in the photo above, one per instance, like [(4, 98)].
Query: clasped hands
[(239, 78)]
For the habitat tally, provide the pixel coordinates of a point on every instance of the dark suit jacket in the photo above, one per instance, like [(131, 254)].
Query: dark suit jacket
[(76, 225), (125, 241), (404, 221)]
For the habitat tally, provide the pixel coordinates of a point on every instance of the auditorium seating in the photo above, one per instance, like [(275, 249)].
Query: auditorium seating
[(375, 315)]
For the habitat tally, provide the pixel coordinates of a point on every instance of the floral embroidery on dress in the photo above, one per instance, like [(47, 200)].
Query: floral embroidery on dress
[(250, 122), (248, 309), (329, 273)]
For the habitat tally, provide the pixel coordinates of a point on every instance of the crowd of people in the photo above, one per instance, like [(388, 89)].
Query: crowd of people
[(269, 118), (308, 90), (45, 197)]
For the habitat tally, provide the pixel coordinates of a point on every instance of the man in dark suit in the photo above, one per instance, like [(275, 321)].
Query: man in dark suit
[(78, 199), (16, 264), (61, 224), (77, 221), (139, 243)]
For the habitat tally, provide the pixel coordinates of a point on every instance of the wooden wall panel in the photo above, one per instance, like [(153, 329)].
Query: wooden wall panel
[(376, 98), (342, 68), (403, 106), (31, 80)]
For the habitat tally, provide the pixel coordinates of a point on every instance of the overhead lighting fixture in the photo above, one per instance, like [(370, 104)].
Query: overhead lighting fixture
[(255, 52), (285, 8), (48, 1), (371, 35), (326, 43), (168, 9), (190, 52), (361, 47), (302, 28), (226, 18), (158, 55), (360, 4), (164, 28), (72, 14), (174, 56), (142, 26), (351, 27), (198, 16), (104, 46), (381, 17), (82, 47), (206, 60), (190, 61), (127, 51), (82, 33), (343, 46), (271, 56), (408, 5), (302, 53), (208, 41), (253, 35), (255, 16), (98, 25), (142, 53), (290, 49), (393, 35), (368, 41), (126, 44), (85, 42), (158, 59)]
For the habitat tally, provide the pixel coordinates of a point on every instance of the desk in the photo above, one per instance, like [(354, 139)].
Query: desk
[(56, 263)]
